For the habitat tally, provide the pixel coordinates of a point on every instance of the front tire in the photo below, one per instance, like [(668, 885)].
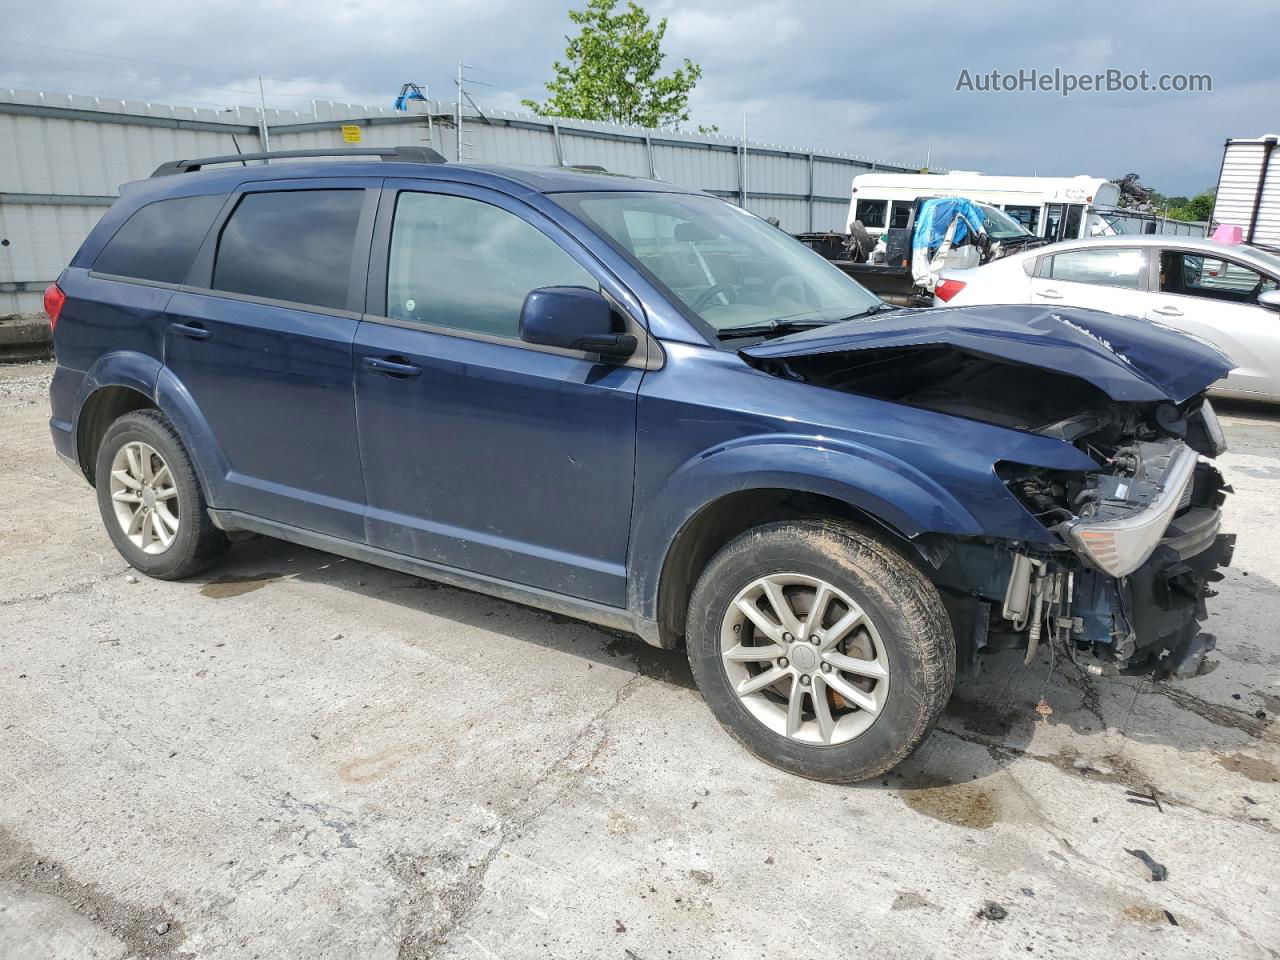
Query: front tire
[(821, 649), (151, 501)]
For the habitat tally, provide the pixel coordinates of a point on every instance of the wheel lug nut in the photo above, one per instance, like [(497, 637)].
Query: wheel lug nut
[(787, 638), (804, 679), (814, 639), (826, 668), (783, 662)]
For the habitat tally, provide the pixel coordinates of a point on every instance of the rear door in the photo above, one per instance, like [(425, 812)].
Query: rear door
[(1098, 278), (482, 452), (1215, 299), (261, 337)]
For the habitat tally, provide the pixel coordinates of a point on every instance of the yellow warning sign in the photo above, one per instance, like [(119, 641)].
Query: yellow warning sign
[(350, 133)]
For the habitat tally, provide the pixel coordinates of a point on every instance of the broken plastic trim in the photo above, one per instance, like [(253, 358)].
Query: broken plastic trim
[(1119, 547)]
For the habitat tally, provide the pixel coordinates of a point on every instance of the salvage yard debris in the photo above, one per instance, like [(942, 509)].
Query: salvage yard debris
[(1158, 870)]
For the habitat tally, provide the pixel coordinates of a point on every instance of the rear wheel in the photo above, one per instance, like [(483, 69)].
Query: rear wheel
[(151, 501), (821, 649)]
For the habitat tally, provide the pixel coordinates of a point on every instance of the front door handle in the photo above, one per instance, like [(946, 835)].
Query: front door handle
[(192, 331), (1051, 294), (392, 366), (1168, 311)]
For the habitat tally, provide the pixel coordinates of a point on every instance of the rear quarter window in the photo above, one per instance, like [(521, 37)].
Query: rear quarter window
[(160, 240)]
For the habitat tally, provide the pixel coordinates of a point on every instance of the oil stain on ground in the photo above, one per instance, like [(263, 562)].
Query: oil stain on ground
[(225, 587), (1255, 768), (960, 804)]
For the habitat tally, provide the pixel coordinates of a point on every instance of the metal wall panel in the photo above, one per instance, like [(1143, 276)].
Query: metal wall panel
[(56, 148)]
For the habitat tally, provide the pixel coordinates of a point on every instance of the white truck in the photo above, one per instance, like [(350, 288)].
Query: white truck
[(1249, 189)]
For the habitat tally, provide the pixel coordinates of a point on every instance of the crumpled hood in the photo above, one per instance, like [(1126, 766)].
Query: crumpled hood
[(1128, 359)]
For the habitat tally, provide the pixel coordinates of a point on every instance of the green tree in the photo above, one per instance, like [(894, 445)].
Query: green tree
[(1199, 207), (612, 69)]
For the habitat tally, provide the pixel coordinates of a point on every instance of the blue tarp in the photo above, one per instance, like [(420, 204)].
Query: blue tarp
[(935, 217)]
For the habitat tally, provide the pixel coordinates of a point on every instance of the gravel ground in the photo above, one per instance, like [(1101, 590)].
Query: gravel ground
[(300, 756)]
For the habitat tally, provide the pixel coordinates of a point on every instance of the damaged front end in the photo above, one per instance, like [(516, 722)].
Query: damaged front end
[(1131, 547), (1143, 545)]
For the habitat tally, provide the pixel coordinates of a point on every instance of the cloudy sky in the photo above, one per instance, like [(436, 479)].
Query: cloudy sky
[(870, 78)]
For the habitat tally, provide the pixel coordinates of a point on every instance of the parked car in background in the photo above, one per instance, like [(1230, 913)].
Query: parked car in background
[(1228, 295), (644, 407)]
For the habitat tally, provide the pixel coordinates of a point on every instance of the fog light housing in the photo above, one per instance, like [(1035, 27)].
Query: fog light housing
[(1120, 546)]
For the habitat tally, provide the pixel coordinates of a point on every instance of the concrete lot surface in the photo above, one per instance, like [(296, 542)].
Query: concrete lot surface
[(301, 756)]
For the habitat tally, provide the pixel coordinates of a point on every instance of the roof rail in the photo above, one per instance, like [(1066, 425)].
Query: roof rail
[(395, 154)]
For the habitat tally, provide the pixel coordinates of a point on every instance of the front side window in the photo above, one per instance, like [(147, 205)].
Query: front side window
[(463, 263), (1108, 268), (293, 245), (1196, 275), (727, 267), (160, 240), (999, 225)]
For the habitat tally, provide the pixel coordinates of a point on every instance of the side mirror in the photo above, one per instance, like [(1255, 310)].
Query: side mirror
[(1269, 299), (574, 318)]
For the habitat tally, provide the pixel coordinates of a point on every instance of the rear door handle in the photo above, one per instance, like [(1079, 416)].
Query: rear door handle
[(392, 366), (193, 331), (1051, 294), (1167, 311)]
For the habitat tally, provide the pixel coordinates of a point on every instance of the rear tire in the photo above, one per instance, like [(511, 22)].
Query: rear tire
[(151, 501), (840, 694)]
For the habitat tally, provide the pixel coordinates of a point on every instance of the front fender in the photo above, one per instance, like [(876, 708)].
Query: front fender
[(895, 493)]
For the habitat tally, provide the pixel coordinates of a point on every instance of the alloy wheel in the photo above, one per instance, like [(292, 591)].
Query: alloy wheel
[(145, 497), (804, 659)]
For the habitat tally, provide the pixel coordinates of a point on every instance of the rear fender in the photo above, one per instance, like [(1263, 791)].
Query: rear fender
[(146, 375)]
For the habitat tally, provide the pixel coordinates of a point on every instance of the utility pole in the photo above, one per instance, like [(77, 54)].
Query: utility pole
[(742, 166), (431, 134), (458, 114), (262, 113), (461, 81)]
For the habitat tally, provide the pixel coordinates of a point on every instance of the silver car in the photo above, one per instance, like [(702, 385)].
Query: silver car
[(1228, 295)]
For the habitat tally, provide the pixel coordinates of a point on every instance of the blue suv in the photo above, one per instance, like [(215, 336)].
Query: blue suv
[(644, 407)]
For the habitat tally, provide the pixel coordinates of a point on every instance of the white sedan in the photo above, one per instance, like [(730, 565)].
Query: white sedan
[(1228, 295)]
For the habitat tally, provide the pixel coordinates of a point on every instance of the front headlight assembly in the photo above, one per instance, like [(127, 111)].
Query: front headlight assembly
[(1120, 546)]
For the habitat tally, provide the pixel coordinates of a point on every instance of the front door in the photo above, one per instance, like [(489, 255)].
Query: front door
[(1217, 300), (482, 452), (261, 338)]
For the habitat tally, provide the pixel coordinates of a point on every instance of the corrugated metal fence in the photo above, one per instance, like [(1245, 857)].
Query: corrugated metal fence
[(62, 159)]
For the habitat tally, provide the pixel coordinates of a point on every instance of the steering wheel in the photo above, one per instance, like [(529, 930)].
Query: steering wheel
[(790, 286), (730, 294)]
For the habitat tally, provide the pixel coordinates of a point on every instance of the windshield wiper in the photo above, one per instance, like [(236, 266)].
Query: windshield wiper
[(772, 327), (874, 309)]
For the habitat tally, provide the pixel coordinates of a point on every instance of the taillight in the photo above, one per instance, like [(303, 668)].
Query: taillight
[(54, 298), (946, 289)]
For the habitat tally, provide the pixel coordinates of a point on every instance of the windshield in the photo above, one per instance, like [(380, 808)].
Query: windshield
[(1001, 226), (1267, 257), (728, 267)]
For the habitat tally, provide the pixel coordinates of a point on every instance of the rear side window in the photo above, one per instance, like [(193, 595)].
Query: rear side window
[(160, 240), (871, 212), (293, 245), (1107, 268)]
